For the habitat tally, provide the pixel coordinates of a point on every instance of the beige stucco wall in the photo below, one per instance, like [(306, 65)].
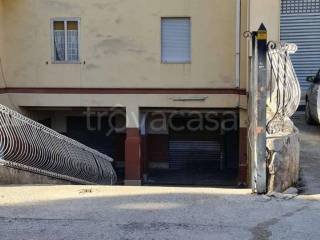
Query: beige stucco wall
[(4, 98), (120, 43), (6, 101), (268, 12), (131, 102), (139, 100)]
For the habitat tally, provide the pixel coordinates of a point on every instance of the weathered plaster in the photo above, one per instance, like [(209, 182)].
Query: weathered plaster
[(123, 39)]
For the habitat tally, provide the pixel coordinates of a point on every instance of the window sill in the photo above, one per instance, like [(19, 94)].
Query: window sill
[(187, 62), (66, 62)]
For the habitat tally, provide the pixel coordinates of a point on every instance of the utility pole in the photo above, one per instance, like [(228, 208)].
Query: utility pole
[(258, 110)]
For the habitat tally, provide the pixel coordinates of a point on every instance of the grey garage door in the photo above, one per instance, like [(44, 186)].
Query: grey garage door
[(206, 154), (195, 150)]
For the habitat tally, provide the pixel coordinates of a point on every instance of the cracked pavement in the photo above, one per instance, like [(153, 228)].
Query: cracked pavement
[(119, 213)]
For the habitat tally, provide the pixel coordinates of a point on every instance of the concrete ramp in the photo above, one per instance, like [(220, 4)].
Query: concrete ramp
[(29, 146)]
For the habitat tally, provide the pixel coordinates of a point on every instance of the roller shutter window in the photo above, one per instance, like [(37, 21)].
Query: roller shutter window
[(176, 40), (197, 155), (300, 24)]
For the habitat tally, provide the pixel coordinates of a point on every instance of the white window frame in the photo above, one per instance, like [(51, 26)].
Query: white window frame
[(161, 43), (65, 20)]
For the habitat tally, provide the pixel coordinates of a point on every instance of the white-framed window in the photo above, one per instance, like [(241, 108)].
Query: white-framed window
[(65, 40), (176, 40)]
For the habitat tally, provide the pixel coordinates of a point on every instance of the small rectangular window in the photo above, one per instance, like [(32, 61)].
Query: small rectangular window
[(65, 40), (176, 40)]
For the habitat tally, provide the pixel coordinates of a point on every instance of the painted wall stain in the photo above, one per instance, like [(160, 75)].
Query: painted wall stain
[(57, 5), (111, 46), (137, 51), (144, 78), (150, 59), (111, 5), (92, 67), (116, 45), (118, 20)]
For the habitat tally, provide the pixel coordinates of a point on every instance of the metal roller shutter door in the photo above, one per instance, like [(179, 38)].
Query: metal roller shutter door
[(300, 24), (207, 154)]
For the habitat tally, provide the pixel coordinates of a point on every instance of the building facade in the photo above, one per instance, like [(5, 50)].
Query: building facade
[(159, 85)]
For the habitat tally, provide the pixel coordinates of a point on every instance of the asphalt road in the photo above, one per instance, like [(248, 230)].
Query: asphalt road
[(310, 154)]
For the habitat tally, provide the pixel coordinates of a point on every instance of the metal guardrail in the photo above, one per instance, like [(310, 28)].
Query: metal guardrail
[(30, 146)]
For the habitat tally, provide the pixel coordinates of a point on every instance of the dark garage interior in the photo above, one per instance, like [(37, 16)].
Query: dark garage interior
[(181, 152), (206, 156)]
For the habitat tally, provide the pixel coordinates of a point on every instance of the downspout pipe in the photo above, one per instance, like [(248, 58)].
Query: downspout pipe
[(238, 27)]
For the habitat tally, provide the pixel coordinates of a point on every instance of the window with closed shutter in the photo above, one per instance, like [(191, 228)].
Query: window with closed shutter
[(176, 40)]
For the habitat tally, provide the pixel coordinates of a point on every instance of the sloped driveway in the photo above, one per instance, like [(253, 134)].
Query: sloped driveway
[(77, 212)]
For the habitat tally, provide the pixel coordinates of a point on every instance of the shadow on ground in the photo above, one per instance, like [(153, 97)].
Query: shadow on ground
[(310, 155)]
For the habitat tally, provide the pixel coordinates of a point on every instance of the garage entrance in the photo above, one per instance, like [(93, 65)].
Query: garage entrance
[(200, 151)]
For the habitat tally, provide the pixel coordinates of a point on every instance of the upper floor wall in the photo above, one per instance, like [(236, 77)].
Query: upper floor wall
[(120, 44)]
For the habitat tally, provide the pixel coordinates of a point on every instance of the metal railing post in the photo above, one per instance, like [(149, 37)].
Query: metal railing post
[(257, 110), (260, 130), (253, 112)]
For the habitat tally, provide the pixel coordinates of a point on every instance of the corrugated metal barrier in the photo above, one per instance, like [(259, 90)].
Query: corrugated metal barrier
[(300, 24)]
